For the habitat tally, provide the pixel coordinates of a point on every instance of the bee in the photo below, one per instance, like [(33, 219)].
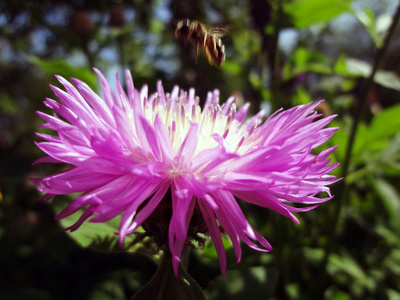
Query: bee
[(207, 38)]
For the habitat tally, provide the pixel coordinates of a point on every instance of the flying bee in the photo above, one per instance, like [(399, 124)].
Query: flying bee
[(207, 38)]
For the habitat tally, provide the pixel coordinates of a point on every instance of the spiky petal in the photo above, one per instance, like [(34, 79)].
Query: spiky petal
[(128, 150)]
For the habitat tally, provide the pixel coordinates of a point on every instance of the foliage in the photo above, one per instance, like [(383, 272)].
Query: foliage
[(348, 248)]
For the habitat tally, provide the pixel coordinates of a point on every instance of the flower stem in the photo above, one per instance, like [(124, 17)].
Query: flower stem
[(166, 286)]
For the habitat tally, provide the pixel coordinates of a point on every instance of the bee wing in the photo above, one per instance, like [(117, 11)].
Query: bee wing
[(218, 30)]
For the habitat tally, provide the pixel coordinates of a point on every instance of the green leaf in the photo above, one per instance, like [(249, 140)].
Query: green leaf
[(255, 80), (344, 263), (301, 97), (377, 28), (355, 68), (293, 290), (308, 12), (351, 67), (8, 105), (64, 68), (390, 158), (340, 137), (109, 290), (209, 249), (334, 294), (393, 295), (314, 255), (377, 135), (391, 237), (386, 123), (388, 79), (390, 198), (99, 236), (366, 18), (378, 151), (382, 24), (232, 67), (304, 60), (247, 283), (332, 84)]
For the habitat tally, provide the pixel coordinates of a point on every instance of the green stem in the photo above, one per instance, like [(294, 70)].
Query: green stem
[(88, 54), (122, 61), (166, 286), (342, 187), (364, 92), (275, 57)]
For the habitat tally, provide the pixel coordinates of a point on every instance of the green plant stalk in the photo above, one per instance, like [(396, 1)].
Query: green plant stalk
[(121, 49), (275, 78), (166, 286), (362, 100)]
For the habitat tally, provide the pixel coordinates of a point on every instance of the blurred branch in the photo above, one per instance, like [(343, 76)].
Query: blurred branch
[(275, 55), (342, 187), (362, 99)]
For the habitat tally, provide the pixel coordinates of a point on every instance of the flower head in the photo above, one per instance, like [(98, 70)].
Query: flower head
[(165, 164)]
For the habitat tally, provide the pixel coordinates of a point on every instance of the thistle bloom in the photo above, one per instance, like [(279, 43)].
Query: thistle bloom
[(141, 156)]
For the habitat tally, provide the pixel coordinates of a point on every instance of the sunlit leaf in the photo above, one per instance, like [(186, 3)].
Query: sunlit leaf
[(100, 236), (232, 67), (209, 249), (64, 68), (393, 295), (376, 28), (376, 136), (352, 67), (388, 79), (308, 12), (334, 294), (386, 123), (356, 68), (367, 19), (383, 23)]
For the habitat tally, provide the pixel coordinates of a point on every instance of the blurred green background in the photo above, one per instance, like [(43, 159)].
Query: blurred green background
[(278, 54)]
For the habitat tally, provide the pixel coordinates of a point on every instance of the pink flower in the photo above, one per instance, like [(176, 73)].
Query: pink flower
[(148, 157)]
